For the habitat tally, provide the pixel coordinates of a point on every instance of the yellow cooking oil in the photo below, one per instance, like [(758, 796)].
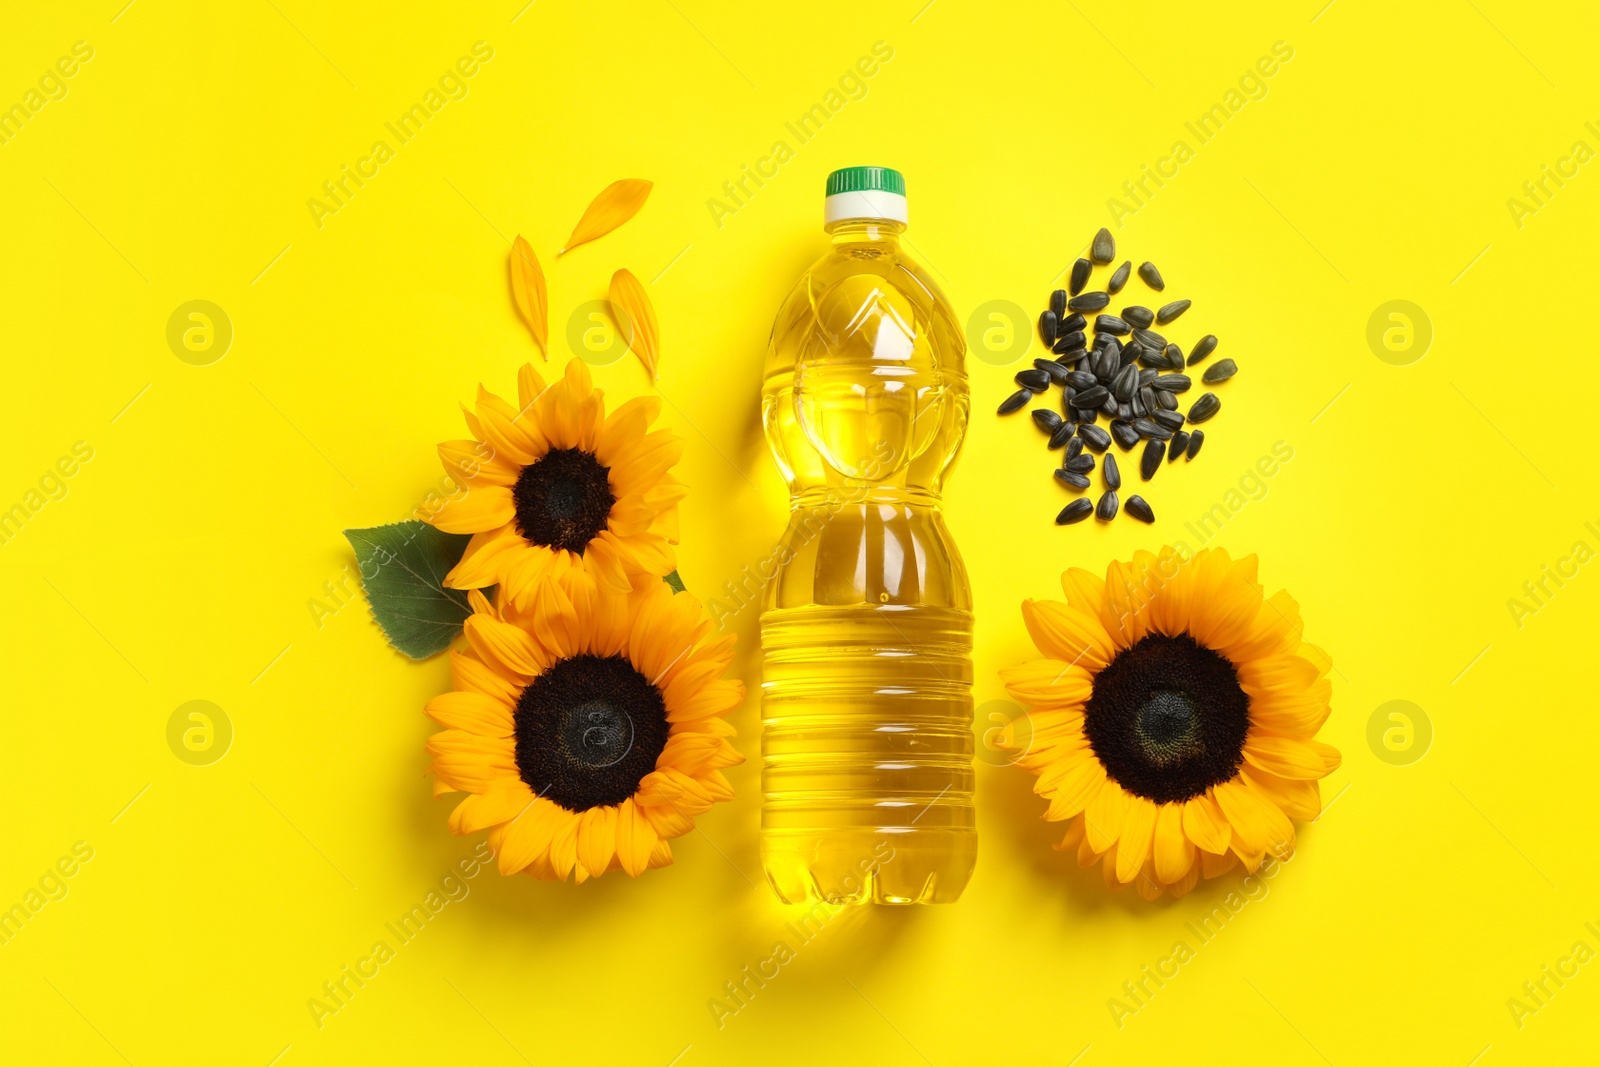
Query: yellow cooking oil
[(866, 630)]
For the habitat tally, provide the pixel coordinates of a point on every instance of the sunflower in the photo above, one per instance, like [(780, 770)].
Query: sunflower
[(1173, 723), (589, 730), (556, 486)]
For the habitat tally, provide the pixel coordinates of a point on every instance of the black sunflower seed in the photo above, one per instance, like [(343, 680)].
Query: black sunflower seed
[(1076, 511), (1047, 327), (1086, 416), (1104, 247), (1058, 303), (1174, 356), (1147, 396), (1152, 428), (1172, 420), (1204, 408), (1136, 406), (1166, 401), (1147, 376), (1180, 441), (1124, 433), (1152, 359), (1056, 371), (1072, 478), (1109, 406), (1109, 472), (1046, 419), (1202, 348), (1220, 371), (1074, 447), (1079, 464), (1110, 324), (1068, 353), (1089, 301), (1196, 439), (1150, 339), (1066, 340), (1092, 397), (1080, 276), (1172, 383), (1126, 383), (1140, 510), (1153, 451), (1082, 379), (1106, 510), (1141, 317), (1063, 433), (1033, 379), (1151, 276), (1014, 401), (1168, 312), (1072, 322), (1094, 438), (1120, 277)]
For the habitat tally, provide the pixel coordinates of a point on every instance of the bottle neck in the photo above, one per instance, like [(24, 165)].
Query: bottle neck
[(865, 231)]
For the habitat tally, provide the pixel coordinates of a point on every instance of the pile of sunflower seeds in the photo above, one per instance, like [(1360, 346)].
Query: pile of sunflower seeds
[(1129, 373)]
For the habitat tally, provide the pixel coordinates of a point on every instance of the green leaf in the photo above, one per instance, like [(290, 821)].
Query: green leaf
[(402, 570), (674, 581)]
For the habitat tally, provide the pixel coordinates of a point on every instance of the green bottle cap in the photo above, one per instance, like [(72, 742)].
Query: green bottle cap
[(865, 193)]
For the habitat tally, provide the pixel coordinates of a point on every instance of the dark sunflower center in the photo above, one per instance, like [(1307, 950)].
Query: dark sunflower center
[(563, 498), (1167, 718), (587, 730)]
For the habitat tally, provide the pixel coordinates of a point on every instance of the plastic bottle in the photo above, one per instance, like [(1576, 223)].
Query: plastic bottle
[(867, 627)]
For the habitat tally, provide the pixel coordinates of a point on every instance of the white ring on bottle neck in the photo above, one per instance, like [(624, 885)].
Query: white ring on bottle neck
[(864, 204)]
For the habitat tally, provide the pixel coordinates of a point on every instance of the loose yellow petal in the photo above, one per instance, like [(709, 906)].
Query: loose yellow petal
[(616, 204), (527, 286), (631, 310)]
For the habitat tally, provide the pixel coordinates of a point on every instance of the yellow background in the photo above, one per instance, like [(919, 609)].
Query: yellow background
[(180, 563)]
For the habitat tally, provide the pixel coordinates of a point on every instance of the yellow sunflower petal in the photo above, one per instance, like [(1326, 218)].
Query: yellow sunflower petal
[(1256, 821), (486, 558), (597, 838), (1299, 799), (636, 837), (1064, 633), (487, 507), (472, 712), (1205, 825), (1133, 843), (1047, 683), (1284, 756), (1078, 786), (1174, 852), (1103, 817)]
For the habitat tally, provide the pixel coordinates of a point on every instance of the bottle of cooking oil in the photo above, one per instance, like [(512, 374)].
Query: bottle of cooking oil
[(867, 627)]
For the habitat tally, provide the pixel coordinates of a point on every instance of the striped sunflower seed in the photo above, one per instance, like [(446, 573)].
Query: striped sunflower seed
[(1109, 472), (1016, 400), (1172, 420), (1174, 356), (1079, 464), (1071, 322), (1140, 510), (1204, 408), (1058, 303), (1080, 276), (1119, 278), (1032, 379), (1124, 434), (1092, 397), (1072, 478), (1062, 433), (1076, 511), (1074, 447), (1106, 510), (1172, 383), (1168, 312), (1220, 371), (1082, 379), (1056, 371), (1141, 317), (1196, 439), (1094, 438), (1202, 348), (1089, 301), (1104, 247), (1166, 401), (1150, 339), (1180, 441), (1110, 324), (1126, 383), (1151, 460), (1151, 276), (1045, 419), (1047, 327), (1152, 428)]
